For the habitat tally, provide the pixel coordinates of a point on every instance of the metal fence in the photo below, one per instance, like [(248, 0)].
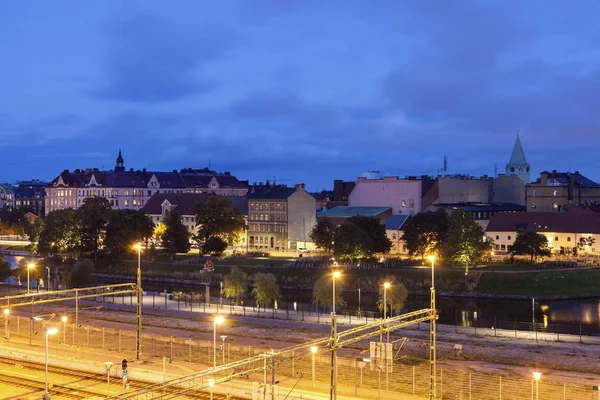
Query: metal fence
[(356, 377)]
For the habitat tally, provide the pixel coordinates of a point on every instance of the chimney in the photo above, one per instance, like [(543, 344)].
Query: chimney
[(144, 170), (300, 186), (130, 169), (66, 171), (227, 173)]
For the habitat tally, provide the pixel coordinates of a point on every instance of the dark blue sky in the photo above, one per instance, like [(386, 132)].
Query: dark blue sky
[(307, 91)]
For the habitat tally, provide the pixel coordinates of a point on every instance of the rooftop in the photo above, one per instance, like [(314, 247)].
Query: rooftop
[(186, 203), (563, 179), (474, 207), (395, 222), (353, 211), (584, 223)]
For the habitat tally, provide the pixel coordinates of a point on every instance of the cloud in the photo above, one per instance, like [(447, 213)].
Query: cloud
[(151, 59)]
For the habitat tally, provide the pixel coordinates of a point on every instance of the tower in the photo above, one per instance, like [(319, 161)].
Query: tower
[(518, 165), (120, 163)]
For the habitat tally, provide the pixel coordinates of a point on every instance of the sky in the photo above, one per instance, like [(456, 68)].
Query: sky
[(298, 91)]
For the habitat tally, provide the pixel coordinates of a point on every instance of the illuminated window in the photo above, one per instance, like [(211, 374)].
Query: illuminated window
[(533, 193), (554, 205), (554, 193), (403, 203)]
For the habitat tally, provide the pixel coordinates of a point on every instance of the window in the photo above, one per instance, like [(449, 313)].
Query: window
[(497, 247), (126, 202), (509, 237), (497, 237), (533, 206), (568, 238), (411, 203), (556, 239), (554, 193), (126, 192), (393, 237), (403, 203), (533, 193), (150, 194), (503, 247), (554, 205)]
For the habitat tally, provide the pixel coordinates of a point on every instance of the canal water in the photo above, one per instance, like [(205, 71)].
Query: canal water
[(565, 316)]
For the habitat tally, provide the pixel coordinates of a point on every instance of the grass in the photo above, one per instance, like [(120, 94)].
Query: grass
[(557, 283)]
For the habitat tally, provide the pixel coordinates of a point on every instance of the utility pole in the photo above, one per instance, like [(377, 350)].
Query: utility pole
[(138, 331)]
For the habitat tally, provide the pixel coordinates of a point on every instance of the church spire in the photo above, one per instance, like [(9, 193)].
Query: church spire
[(518, 166), (518, 155), (120, 163)]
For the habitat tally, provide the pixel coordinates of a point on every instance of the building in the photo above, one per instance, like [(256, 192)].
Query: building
[(161, 204), (403, 196), (480, 212), (518, 165), (554, 190), (339, 214), (342, 190), (31, 195), (132, 189), (279, 217), (7, 196), (563, 230), (394, 228)]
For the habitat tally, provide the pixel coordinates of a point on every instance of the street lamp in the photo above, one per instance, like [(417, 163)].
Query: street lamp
[(386, 285), (211, 385), (29, 266), (536, 377), (6, 323), (138, 331), (336, 274), (223, 337), (48, 283), (432, 338), (313, 350), (218, 320), (49, 331), (108, 365), (64, 321)]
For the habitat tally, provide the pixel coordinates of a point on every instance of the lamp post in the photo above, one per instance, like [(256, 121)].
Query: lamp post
[(138, 330), (211, 385), (64, 321), (48, 283), (223, 337), (313, 350), (333, 377), (29, 266), (218, 320), (386, 285), (48, 331), (432, 338), (6, 323), (536, 377), (108, 365)]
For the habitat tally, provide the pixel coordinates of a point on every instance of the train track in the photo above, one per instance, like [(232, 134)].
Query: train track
[(37, 386)]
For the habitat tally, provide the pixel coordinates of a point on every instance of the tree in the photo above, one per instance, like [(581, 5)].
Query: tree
[(265, 289), (61, 233), (378, 241), (159, 230), (360, 237), (531, 243), (126, 227), (5, 269), (395, 295), (176, 237), (34, 230), (235, 285), (465, 242), (323, 234), (215, 246), (82, 274), (217, 218), (94, 215), (585, 243), (323, 292), (425, 233)]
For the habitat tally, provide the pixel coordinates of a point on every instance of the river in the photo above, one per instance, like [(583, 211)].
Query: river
[(563, 315)]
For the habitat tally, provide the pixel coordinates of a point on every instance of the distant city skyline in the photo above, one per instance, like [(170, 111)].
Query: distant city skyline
[(301, 91)]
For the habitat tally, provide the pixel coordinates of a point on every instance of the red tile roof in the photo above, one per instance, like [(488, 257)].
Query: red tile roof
[(546, 222)]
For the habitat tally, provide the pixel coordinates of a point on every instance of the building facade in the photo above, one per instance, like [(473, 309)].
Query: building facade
[(132, 189), (480, 212), (554, 190), (31, 195), (394, 229), (564, 231), (279, 217), (7, 196), (403, 196)]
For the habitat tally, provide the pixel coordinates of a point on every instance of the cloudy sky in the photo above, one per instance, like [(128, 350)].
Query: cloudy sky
[(304, 91)]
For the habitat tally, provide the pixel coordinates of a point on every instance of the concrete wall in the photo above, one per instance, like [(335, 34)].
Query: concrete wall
[(301, 215), (463, 190), (402, 195), (508, 189)]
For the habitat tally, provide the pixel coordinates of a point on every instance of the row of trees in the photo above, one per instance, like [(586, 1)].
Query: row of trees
[(96, 225), (357, 237), (267, 292)]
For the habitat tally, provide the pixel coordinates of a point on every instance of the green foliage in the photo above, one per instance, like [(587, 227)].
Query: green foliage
[(360, 237), (34, 231), (5, 271), (82, 274), (235, 284), (585, 242), (465, 239), (395, 296), (126, 227), (323, 291), (61, 233), (323, 234), (94, 215), (13, 222), (176, 237), (217, 218), (425, 233), (532, 244), (265, 289), (215, 246)]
